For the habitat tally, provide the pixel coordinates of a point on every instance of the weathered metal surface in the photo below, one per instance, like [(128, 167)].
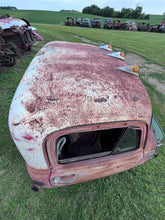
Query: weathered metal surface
[(131, 26), (78, 22), (99, 167), (18, 33), (142, 26), (10, 22), (69, 21), (86, 22), (108, 24), (70, 85), (96, 23)]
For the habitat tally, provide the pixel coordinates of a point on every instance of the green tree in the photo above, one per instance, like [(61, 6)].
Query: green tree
[(107, 12), (137, 12)]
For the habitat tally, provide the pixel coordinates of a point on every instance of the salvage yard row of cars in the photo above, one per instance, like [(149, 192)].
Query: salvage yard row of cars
[(116, 24)]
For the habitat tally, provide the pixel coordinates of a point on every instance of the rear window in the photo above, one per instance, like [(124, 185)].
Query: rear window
[(88, 145)]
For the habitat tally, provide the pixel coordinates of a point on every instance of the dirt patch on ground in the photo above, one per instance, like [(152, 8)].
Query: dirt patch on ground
[(132, 59), (146, 69), (159, 86), (85, 40)]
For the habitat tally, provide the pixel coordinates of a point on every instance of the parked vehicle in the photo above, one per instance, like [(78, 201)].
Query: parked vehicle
[(69, 131), (69, 21), (154, 28), (158, 27), (118, 25), (96, 23), (86, 22), (142, 26), (78, 22), (131, 26), (108, 23), (162, 28)]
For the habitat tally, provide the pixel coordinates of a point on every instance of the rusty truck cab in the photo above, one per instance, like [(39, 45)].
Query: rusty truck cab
[(76, 116)]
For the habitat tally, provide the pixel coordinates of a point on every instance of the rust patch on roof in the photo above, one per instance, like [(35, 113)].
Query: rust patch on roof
[(73, 84), (100, 100)]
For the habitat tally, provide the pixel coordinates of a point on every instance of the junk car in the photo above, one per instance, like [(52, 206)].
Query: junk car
[(96, 23), (142, 26), (108, 23), (118, 25), (15, 35), (86, 22), (69, 21), (131, 26), (78, 22), (76, 116)]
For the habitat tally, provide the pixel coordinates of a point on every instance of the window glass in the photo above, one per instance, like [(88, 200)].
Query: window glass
[(129, 140)]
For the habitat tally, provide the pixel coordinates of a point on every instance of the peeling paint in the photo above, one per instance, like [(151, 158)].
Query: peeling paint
[(28, 137), (69, 85), (100, 100)]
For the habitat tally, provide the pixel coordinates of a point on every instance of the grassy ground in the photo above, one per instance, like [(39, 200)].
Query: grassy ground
[(54, 17), (135, 194), (156, 19)]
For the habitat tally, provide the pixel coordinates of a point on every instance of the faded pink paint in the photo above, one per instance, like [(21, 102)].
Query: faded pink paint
[(75, 86), (30, 149), (15, 138), (28, 137)]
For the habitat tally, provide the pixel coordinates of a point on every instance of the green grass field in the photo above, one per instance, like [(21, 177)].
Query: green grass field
[(54, 17), (135, 194)]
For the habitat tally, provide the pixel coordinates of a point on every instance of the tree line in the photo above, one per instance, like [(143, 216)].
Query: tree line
[(8, 7), (110, 12)]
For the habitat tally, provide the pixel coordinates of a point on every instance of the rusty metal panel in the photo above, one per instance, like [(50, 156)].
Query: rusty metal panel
[(68, 85), (10, 22)]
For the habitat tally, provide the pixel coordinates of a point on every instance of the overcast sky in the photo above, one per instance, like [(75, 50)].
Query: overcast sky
[(149, 6)]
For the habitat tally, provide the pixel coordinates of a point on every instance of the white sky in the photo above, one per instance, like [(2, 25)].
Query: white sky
[(149, 6)]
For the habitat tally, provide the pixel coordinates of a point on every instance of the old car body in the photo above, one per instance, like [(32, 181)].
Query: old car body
[(19, 32), (96, 23), (69, 21), (78, 22), (76, 117), (16, 31), (118, 25), (142, 26), (86, 22), (131, 26), (158, 27), (162, 28), (108, 23), (15, 36)]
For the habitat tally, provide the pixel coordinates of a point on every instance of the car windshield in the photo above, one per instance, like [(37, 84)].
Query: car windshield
[(88, 145)]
